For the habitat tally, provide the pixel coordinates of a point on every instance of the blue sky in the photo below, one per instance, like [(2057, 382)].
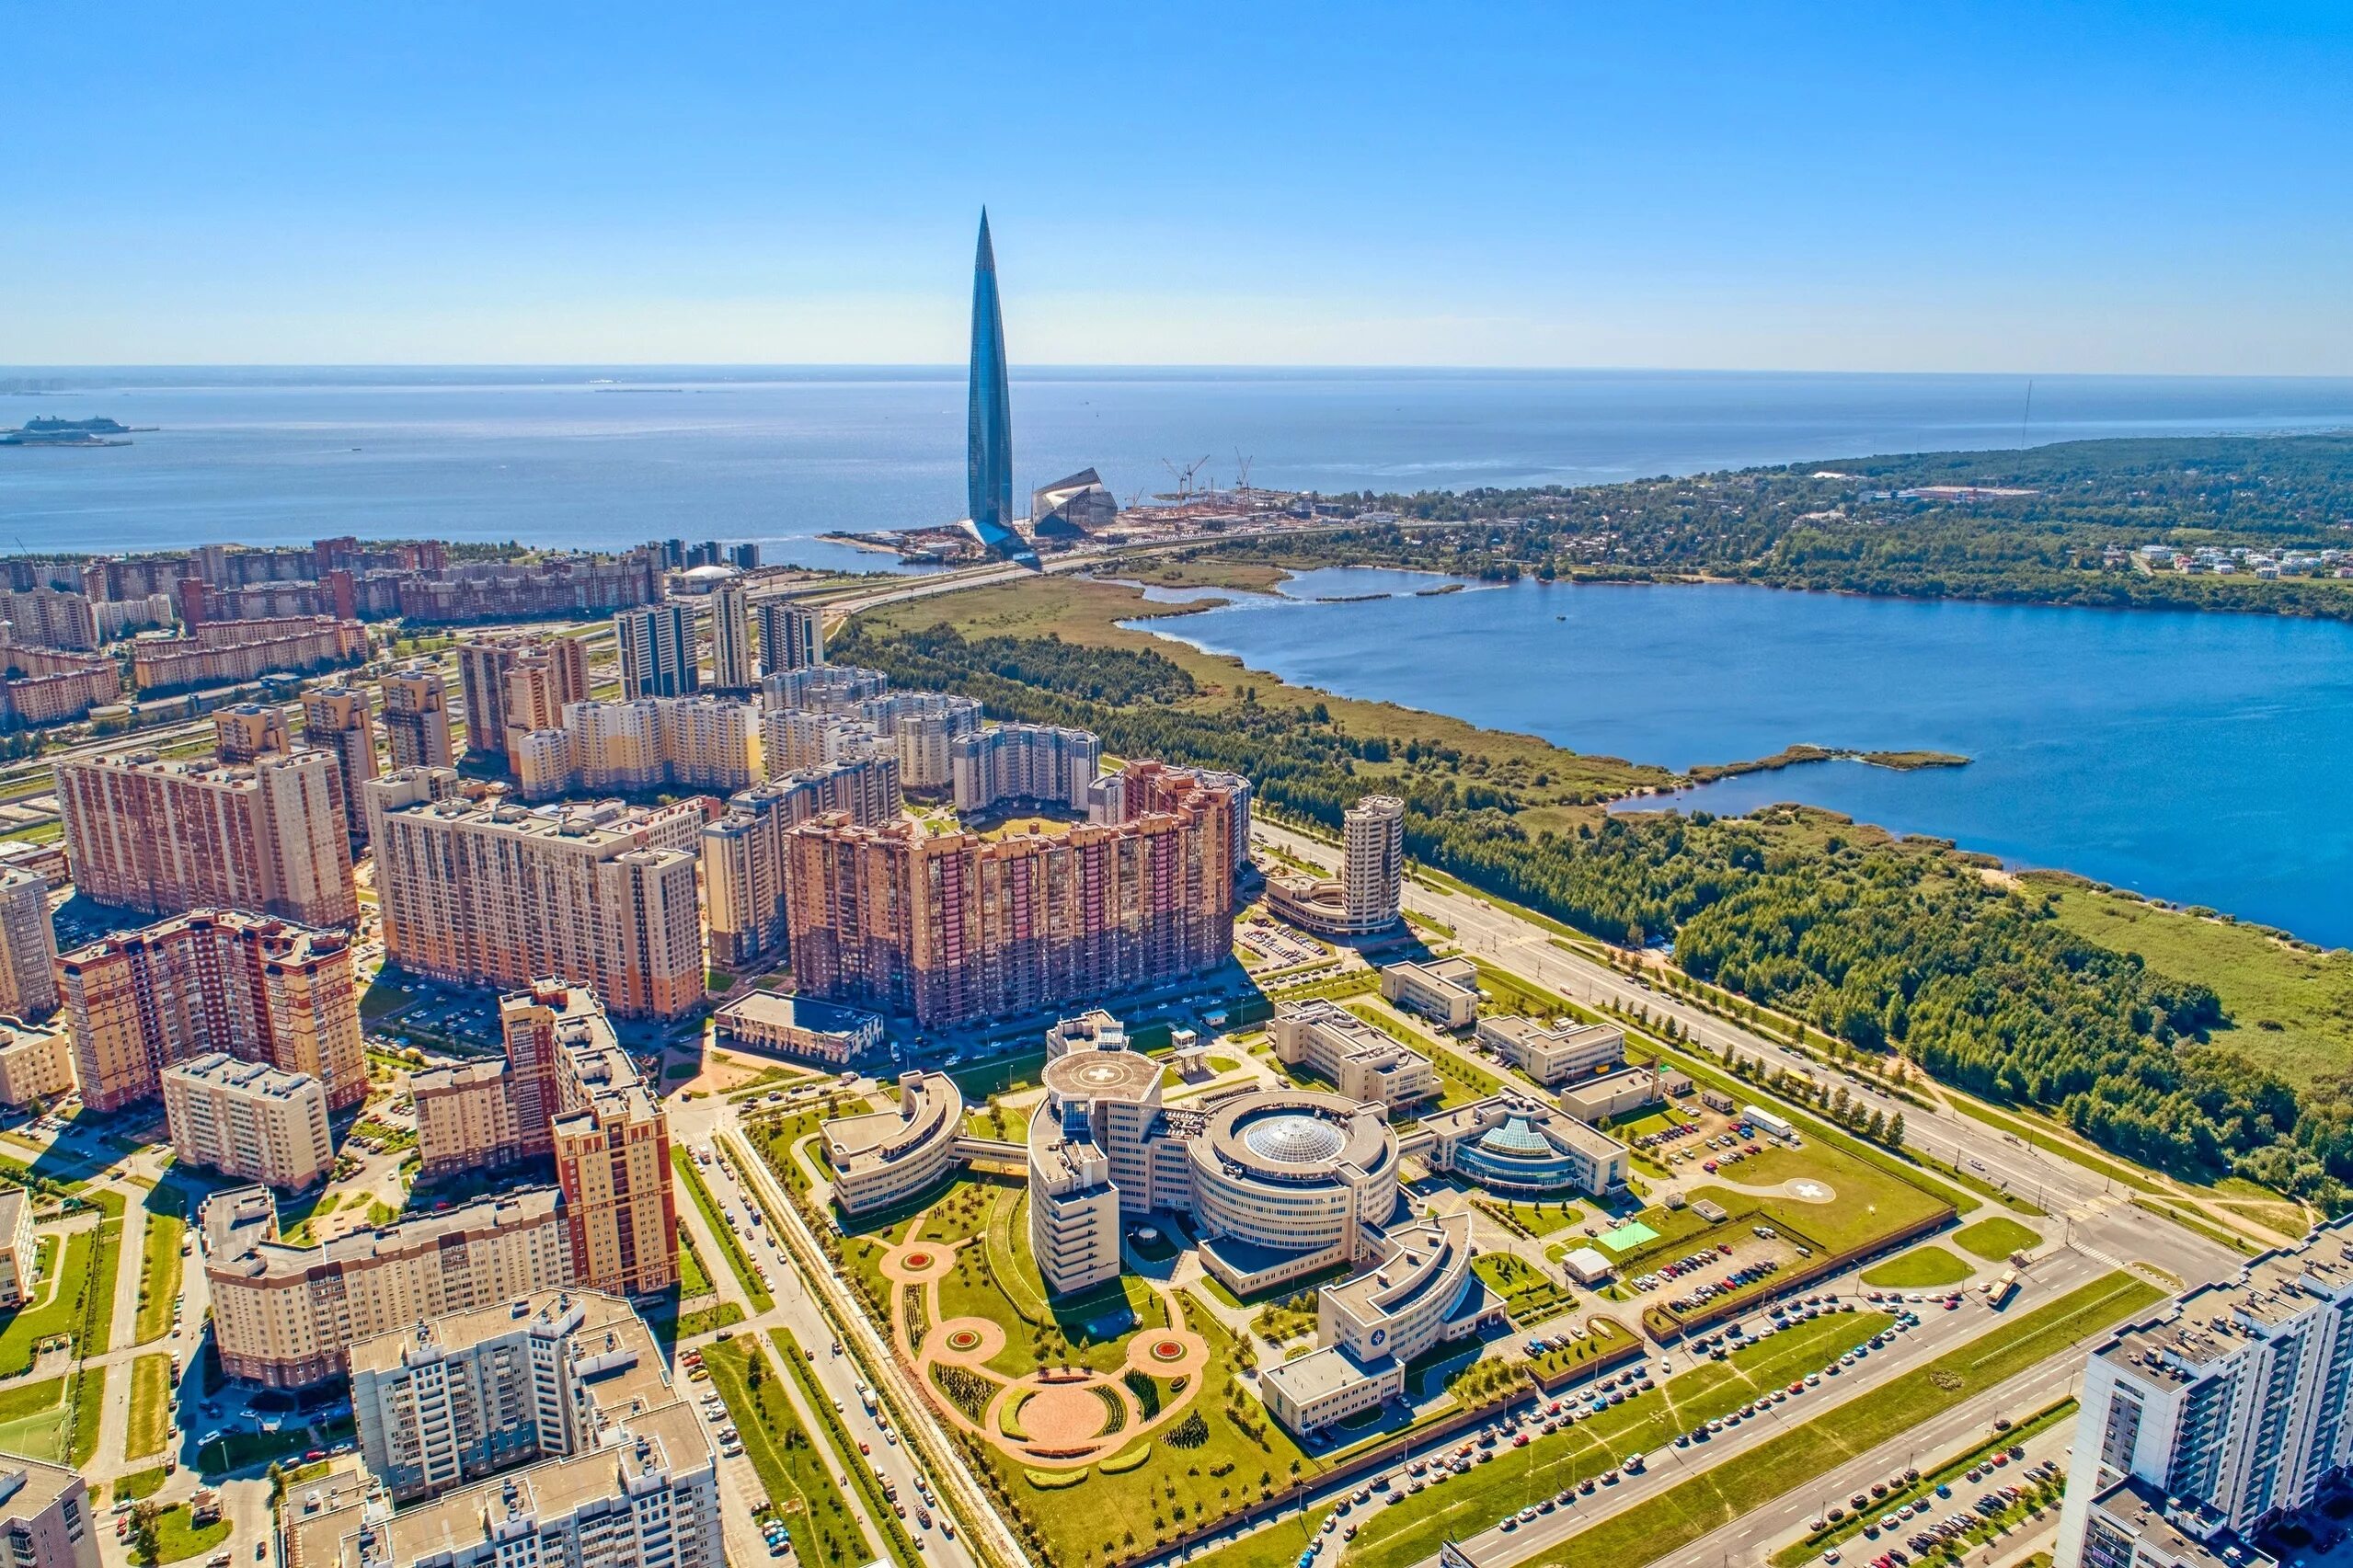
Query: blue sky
[(2134, 188)]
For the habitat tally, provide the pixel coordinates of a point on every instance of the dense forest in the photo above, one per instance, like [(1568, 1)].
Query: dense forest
[(1892, 946), (1850, 525)]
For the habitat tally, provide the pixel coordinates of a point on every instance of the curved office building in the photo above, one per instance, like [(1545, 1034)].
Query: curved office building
[(1512, 1143), (1286, 1182), (886, 1157)]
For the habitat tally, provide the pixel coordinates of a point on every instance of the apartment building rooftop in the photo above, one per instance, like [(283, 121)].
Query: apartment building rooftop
[(240, 1229), (2216, 1321), (666, 1439), (593, 825), (606, 1071), (31, 1486), (610, 1345), (456, 1075), (223, 1071), (282, 942)]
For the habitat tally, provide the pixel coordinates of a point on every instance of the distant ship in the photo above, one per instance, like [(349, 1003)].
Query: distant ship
[(46, 431)]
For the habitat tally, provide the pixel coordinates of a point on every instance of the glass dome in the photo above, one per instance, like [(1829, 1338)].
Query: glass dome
[(1294, 1138), (1516, 1140)]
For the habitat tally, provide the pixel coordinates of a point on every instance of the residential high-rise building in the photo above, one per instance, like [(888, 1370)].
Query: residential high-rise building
[(248, 1119), (20, 1248), (792, 636), (705, 743), (162, 837), (732, 664), (460, 1397), (743, 852), (27, 946), (952, 928), (988, 431), (794, 739), (1041, 763), (483, 668), (249, 730), (827, 687), (1372, 878), (656, 650), (283, 1315), (924, 727), (607, 1131), (217, 980), (2218, 1414), (53, 618), (503, 895), (417, 719), (336, 718), (45, 1515)]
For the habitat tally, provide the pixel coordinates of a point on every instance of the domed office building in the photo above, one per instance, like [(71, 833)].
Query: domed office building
[(1287, 1181)]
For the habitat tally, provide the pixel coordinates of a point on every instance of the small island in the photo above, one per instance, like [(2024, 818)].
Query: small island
[(1792, 756)]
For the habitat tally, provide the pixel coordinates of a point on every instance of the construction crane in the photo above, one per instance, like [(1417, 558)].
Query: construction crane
[(1241, 472), (1185, 475)]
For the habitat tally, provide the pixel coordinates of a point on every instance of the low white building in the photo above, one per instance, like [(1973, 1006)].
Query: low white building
[(1444, 990)]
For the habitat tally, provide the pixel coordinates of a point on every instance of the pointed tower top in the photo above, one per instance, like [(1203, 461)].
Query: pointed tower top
[(984, 255)]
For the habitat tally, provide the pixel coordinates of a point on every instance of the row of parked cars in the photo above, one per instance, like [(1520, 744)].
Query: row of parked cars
[(1927, 1536)]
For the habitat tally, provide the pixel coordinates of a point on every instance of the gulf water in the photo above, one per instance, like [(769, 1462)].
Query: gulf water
[(2200, 758)]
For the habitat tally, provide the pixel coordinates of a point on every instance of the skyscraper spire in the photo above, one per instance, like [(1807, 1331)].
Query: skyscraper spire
[(988, 467)]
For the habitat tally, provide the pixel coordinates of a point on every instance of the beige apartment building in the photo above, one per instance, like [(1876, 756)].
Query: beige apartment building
[(36, 1063), (649, 743), (484, 666), (248, 1119), (27, 946), (216, 980), (466, 1119), (20, 1248), (337, 719), (161, 837), (283, 1316), (417, 718), (249, 730), (482, 893), (222, 653), (45, 1515)]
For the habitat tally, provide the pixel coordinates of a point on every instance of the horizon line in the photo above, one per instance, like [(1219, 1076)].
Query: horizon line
[(951, 371)]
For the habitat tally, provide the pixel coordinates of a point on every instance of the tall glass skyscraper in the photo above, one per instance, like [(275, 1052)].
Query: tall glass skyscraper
[(988, 459)]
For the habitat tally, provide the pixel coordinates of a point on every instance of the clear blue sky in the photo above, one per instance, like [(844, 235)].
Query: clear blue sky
[(2099, 186)]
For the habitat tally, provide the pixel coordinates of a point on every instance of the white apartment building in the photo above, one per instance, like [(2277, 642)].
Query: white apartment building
[(1372, 877), (829, 688), (2229, 1407), (248, 1119), (924, 727), (649, 744), (743, 852), (20, 1247), (658, 656), (1042, 763), (796, 739), (1360, 1061)]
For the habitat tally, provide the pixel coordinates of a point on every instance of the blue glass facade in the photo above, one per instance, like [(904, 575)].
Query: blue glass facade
[(987, 458)]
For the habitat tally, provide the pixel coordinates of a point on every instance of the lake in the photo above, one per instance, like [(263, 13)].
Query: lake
[(608, 457), (2199, 758)]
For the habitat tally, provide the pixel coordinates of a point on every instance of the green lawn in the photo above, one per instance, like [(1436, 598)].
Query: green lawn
[(60, 1313), (1536, 1218), (1529, 1295), (739, 1264), (710, 1320), (2292, 1009), (694, 1279), (1919, 1268), (151, 1407), (794, 1472), (159, 1266), (841, 1447), (1672, 1520), (140, 1484), (1996, 1239), (177, 1538)]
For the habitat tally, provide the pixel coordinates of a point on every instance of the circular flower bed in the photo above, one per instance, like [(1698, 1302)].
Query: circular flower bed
[(916, 1261), (1167, 1350), (963, 1340)]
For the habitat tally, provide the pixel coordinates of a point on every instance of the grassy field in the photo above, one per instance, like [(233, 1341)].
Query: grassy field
[(745, 1276), (2293, 1007), (1675, 1518), (159, 1266), (1538, 1219), (178, 1538), (1529, 1295), (694, 1279), (151, 1407), (795, 1472), (1996, 1239), (55, 1419), (140, 1484), (1917, 1268), (61, 1313)]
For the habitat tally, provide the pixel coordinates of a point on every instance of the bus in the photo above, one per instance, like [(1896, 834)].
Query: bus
[(1999, 1291)]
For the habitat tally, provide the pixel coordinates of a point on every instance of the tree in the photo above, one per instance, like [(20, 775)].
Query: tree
[(1895, 1132)]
